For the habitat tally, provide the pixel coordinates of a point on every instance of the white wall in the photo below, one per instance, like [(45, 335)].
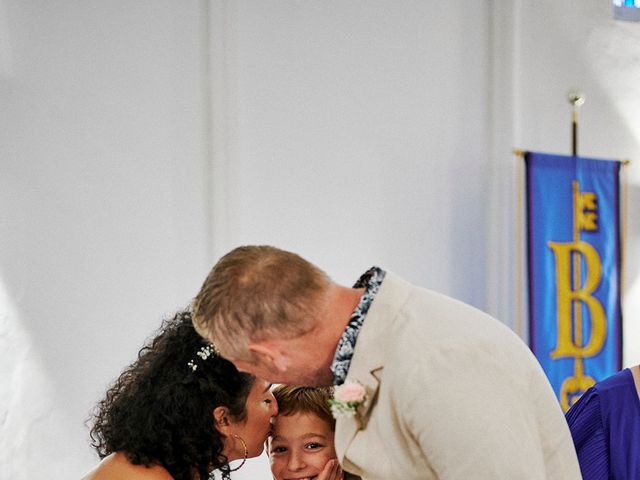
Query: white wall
[(356, 133), (102, 204), (360, 132)]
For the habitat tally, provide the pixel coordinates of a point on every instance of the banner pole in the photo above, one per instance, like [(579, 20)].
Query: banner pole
[(519, 247), (623, 226), (576, 99)]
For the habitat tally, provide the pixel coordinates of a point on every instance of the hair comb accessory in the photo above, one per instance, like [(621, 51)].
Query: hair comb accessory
[(203, 353)]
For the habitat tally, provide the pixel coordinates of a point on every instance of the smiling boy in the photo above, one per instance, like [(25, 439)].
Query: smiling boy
[(301, 445)]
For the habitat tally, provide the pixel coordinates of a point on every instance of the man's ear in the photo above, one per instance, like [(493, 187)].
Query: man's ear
[(269, 354), (222, 420)]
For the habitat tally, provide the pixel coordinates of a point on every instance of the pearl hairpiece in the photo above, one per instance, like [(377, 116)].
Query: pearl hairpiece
[(203, 353)]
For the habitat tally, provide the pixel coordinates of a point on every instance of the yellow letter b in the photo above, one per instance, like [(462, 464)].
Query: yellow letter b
[(566, 296)]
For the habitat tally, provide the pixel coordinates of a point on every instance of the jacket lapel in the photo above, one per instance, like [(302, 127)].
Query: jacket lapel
[(348, 426), (368, 358)]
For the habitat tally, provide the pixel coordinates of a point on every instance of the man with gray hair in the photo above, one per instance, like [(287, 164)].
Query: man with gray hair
[(446, 391)]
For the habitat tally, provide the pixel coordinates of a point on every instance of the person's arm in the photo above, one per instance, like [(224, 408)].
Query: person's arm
[(589, 436), (472, 421)]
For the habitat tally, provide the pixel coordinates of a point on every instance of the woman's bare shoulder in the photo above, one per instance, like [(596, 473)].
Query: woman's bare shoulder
[(117, 467)]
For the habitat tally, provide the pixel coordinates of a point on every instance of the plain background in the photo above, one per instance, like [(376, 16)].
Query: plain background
[(141, 140)]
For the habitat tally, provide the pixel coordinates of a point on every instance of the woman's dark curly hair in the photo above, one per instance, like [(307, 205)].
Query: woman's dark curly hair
[(160, 411)]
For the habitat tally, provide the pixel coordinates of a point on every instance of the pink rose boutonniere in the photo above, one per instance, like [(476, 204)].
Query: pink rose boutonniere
[(346, 399)]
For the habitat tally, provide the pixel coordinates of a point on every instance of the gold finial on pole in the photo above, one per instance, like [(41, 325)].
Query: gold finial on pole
[(576, 99)]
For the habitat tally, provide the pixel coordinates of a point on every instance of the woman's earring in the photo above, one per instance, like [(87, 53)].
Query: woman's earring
[(246, 453)]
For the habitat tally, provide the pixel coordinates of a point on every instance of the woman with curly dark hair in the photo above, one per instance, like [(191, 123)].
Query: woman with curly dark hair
[(179, 412)]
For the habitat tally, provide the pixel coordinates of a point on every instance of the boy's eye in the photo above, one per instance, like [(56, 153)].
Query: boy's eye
[(312, 446), (278, 449)]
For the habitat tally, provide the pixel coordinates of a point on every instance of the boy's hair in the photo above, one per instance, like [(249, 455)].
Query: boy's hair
[(293, 399)]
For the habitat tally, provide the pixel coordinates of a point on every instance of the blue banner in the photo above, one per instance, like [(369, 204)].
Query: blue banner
[(573, 246)]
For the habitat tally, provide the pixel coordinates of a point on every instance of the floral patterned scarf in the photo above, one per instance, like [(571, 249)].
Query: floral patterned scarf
[(371, 281)]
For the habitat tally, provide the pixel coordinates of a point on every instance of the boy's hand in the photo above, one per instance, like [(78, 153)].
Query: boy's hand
[(331, 471)]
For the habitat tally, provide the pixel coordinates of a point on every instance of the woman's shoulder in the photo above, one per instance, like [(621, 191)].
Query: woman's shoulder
[(620, 380), (617, 391), (117, 467), (593, 407)]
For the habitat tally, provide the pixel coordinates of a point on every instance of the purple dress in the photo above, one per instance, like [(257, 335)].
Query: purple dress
[(605, 425)]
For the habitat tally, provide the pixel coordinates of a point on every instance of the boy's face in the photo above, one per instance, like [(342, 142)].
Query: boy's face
[(301, 445)]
